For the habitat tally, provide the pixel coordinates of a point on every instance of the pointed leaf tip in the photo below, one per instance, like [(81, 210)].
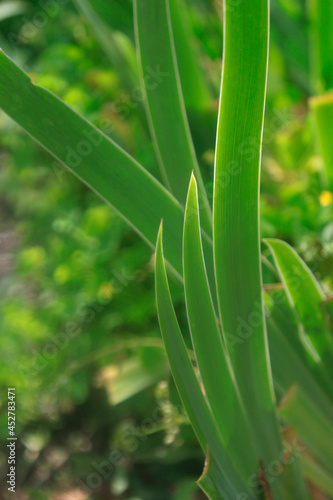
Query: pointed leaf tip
[(192, 203), (160, 229)]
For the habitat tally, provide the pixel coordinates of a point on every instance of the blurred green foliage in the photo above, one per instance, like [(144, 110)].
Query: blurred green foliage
[(80, 340)]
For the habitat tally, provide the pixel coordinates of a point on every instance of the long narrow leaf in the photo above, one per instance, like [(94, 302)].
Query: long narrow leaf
[(188, 385), (289, 365), (195, 88), (94, 158), (212, 358), (98, 161), (211, 481), (306, 296), (165, 105), (236, 218)]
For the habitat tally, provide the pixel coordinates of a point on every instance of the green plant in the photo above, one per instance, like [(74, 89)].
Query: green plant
[(235, 417)]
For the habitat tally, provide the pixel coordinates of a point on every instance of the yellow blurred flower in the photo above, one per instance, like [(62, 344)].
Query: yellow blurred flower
[(325, 198)]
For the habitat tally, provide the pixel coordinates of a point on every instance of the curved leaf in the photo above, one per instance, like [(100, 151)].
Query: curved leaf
[(98, 161), (196, 91), (306, 297), (213, 361), (290, 364), (236, 218), (188, 385), (94, 158), (165, 104)]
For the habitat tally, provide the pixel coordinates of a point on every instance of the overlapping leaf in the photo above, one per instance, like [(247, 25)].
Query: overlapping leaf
[(212, 358), (165, 104), (236, 219), (94, 158), (188, 386), (306, 297)]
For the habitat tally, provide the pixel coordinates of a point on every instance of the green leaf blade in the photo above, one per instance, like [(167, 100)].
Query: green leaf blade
[(188, 385), (165, 105), (210, 481), (290, 364), (236, 219), (213, 363), (94, 158), (306, 297), (196, 92)]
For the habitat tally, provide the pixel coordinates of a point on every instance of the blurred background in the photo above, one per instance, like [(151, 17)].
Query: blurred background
[(98, 416)]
